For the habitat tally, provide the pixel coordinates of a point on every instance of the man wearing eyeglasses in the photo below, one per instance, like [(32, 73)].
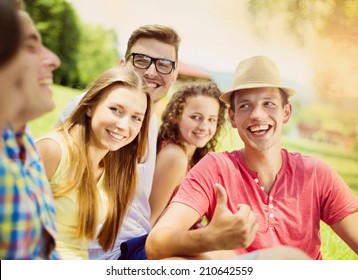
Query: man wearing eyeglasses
[(152, 51)]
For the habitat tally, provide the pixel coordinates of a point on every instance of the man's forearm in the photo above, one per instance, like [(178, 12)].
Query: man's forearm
[(166, 242)]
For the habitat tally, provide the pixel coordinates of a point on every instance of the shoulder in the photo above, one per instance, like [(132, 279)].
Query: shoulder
[(51, 153), (51, 141), (221, 157), (173, 154), (305, 161)]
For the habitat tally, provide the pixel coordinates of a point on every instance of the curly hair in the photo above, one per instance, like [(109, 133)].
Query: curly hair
[(169, 130)]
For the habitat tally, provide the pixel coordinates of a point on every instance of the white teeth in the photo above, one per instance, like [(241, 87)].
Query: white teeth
[(255, 128), (198, 134), (152, 85), (116, 136)]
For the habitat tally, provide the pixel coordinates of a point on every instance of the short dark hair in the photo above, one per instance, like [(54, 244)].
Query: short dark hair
[(158, 32), (10, 30)]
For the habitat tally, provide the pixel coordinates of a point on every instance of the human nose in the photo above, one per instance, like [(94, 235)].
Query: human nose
[(123, 123), (257, 113), (50, 59), (203, 125), (151, 70)]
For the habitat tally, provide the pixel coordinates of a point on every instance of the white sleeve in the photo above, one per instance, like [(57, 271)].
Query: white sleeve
[(70, 107)]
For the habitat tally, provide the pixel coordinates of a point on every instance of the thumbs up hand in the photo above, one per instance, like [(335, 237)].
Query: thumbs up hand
[(231, 230)]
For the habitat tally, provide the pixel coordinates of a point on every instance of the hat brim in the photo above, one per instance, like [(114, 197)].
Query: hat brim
[(225, 97)]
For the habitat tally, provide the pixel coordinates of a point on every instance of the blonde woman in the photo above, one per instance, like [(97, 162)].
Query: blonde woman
[(91, 161)]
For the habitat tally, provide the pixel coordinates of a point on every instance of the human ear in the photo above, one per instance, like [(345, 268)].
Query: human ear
[(287, 111), (232, 118), (122, 62), (175, 75)]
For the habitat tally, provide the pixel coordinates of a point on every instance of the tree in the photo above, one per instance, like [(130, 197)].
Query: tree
[(97, 52), (85, 50), (58, 25)]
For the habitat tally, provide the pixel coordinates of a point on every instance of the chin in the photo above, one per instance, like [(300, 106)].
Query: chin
[(49, 107)]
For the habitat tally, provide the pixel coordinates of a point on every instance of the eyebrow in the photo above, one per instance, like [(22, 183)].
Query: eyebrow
[(33, 37), (238, 101), (114, 104), (266, 98), (202, 114)]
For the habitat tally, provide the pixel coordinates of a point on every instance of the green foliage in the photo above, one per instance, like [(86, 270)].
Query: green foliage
[(97, 52), (58, 25), (68, 43), (85, 50)]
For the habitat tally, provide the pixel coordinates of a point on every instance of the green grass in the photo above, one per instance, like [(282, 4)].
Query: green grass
[(344, 162), (62, 96)]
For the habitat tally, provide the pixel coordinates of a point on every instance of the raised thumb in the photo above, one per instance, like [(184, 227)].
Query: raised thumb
[(221, 194)]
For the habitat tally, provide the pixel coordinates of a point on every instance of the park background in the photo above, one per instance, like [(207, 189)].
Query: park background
[(313, 42)]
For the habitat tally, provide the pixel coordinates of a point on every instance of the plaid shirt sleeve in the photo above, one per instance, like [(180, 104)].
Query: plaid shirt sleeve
[(26, 205)]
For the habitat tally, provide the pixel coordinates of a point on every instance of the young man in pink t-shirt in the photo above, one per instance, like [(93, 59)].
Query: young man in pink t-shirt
[(288, 192)]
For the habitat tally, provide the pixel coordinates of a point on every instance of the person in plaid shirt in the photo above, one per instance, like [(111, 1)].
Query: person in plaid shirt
[(27, 215)]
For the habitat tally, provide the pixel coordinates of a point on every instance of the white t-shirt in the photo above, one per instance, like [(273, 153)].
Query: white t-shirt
[(71, 106), (136, 221)]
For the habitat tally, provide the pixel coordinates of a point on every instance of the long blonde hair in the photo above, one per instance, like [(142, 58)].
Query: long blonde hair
[(120, 167)]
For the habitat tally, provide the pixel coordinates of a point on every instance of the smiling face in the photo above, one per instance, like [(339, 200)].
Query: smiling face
[(117, 119), (40, 63), (158, 83), (259, 116), (198, 123)]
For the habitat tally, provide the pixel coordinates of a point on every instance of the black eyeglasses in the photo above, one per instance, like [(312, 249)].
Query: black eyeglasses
[(142, 61)]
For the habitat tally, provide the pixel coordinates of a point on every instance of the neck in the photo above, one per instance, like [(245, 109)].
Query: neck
[(154, 108), (17, 125), (95, 156), (189, 150), (266, 163)]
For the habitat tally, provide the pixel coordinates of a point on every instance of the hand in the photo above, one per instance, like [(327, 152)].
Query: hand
[(231, 230)]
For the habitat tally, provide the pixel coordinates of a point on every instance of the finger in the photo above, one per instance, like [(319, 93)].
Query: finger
[(221, 194), (243, 210)]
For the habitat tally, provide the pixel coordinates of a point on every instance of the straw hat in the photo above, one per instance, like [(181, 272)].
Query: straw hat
[(256, 72)]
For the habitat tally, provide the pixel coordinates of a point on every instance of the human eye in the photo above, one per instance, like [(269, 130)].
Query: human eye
[(244, 106), (142, 60), (137, 118), (116, 110), (30, 47), (164, 64), (212, 119), (270, 104), (195, 117)]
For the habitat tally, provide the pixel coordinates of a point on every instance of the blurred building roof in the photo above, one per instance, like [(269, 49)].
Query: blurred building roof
[(187, 71)]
